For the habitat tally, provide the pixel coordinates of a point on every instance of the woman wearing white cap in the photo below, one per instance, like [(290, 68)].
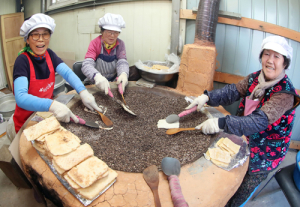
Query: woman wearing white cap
[(265, 115), (34, 75), (106, 56)]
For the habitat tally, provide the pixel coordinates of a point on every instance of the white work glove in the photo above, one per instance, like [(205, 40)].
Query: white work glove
[(89, 100), (200, 101), (101, 83), (124, 79), (62, 112), (210, 126)]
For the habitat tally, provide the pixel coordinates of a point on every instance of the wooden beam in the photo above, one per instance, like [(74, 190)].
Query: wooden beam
[(227, 78), (295, 144), (230, 78), (250, 24)]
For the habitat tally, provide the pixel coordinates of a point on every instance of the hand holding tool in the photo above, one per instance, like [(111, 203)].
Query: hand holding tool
[(86, 123), (119, 102), (174, 117)]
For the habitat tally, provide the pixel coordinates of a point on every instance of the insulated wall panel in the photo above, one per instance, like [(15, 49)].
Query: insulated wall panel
[(238, 48)]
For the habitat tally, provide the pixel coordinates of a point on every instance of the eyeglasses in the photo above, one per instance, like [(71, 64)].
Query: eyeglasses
[(36, 36), (112, 33)]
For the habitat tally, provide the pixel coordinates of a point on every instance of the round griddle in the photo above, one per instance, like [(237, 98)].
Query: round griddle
[(135, 142)]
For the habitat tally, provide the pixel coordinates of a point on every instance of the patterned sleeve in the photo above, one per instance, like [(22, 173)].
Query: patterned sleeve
[(255, 122), (122, 64), (223, 96), (242, 86), (259, 119), (88, 68), (278, 104), (89, 64)]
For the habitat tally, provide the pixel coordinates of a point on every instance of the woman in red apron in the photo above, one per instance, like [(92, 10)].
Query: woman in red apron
[(265, 115), (34, 76)]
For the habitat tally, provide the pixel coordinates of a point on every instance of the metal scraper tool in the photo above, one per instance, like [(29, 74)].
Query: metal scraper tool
[(92, 124), (121, 103), (174, 117)]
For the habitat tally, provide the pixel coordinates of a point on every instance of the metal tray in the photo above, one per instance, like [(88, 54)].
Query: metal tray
[(7, 105), (84, 201), (238, 159)]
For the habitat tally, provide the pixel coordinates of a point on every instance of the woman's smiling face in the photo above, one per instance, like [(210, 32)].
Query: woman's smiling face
[(39, 46), (272, 64)]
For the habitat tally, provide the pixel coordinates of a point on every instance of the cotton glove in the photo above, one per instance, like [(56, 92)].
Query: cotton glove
[(101, 83), (210, 126), (62, 112), (89, 100), (200, 101), (124, 79)]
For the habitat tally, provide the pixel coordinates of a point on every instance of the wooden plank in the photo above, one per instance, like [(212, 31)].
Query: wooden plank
[(227, 78), (230, 78), (251, 24), (12, 43), (295, 144), (14, 38)]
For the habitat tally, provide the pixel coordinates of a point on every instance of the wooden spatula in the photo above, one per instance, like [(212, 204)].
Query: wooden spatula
[(176, 130), (105, 120), (151, 177)]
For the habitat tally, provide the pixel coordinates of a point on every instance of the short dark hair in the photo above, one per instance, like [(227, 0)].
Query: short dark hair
[(102, 30), (286, 61)]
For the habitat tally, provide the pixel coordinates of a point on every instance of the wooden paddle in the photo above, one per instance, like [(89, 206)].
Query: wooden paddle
[(151, 177), (176, 130), (105, 120)]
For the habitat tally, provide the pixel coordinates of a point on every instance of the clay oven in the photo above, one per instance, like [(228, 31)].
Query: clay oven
[(198, 60)]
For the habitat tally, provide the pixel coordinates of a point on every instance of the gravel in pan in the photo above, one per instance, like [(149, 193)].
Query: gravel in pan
[(135, 142)]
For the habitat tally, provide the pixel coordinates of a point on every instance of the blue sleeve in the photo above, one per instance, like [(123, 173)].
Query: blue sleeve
[(255, 122), (28, 101), (63, 70), (223, 96)]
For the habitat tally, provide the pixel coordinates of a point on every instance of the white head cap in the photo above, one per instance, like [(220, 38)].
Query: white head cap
[(37, 21), (278, 44), (113, 22)]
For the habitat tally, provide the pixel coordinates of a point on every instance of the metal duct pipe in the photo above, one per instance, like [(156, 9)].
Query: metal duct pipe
[(175, 26), (43, 6), (206, 22)]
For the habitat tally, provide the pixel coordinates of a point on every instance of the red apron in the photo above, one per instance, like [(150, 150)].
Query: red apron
[(40, 88)]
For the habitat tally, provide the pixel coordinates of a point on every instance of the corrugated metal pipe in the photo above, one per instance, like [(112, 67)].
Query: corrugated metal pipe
[(206, 22)]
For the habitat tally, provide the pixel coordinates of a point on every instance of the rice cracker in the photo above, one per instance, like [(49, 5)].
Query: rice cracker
[(46, 126), (87, 172)]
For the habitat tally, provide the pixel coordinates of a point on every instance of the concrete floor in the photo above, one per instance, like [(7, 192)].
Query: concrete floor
[(10, 196)]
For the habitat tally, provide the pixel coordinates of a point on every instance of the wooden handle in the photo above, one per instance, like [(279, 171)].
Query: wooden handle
[(156, 198), (124, 99), (105, 120), (176, 130), (176, 193)]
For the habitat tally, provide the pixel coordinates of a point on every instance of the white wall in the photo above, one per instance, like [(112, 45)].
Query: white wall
[(6, 7), (146, 36), (31, 7)]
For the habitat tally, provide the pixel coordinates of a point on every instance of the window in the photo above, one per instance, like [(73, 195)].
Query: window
[(54, 4)]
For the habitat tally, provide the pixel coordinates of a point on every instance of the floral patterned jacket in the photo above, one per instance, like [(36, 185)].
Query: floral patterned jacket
[(269, 147)]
